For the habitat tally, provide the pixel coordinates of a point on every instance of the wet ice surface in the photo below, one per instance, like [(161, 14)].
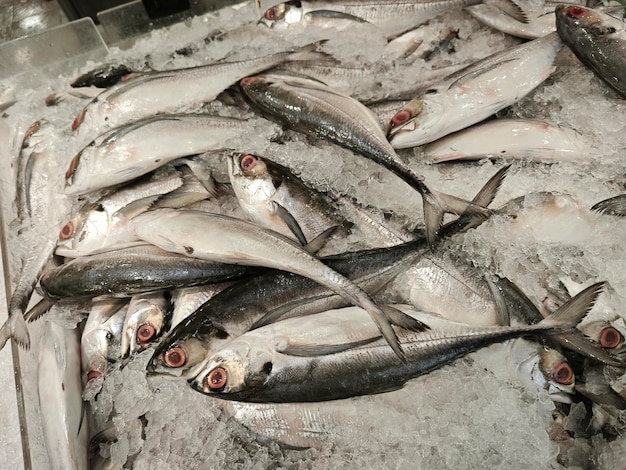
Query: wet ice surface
[(476, 413)]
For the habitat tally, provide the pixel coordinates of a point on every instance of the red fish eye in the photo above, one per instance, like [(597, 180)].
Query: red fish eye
[(563, 374), (248, 162), (93, 374), (145, 333), (401, 117), (216, 379), (247, 81), (577, 12), (72, 168), (610, 338), (271, 14), (67, 231), (176, 357)]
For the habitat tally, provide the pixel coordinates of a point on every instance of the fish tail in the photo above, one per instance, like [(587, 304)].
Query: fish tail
[(510, 8), (436, 204), (574, 310), (15, 327)]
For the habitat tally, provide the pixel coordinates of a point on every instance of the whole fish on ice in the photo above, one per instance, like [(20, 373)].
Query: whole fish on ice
[(474, 93)]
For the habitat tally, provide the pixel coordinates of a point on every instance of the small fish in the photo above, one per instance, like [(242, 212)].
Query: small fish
[(168, 91), (474, 93), (65, 428), (273, 197), (511, 138), (598, 40), (128, 152), (342, 355), (103, 325), (312, 108), (101, 225), (144, 322), (225, 239)]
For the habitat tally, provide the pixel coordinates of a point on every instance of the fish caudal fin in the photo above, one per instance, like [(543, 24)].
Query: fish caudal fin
[(436, 204), (15, 328), (575, 309)]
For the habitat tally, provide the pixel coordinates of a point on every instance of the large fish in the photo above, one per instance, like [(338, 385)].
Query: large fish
[(265, 299), (312, 108), (392, 16), (598, 40), (474, 93), (273, 197), (343, 357), (128, 152), (168, 91), (226, 239), (134, 270)]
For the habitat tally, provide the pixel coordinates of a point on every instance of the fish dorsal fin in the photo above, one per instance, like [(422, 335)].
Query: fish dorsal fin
[(316, 349), (290, 221)]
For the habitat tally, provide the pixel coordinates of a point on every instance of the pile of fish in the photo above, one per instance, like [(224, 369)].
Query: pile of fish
[(277, 240)]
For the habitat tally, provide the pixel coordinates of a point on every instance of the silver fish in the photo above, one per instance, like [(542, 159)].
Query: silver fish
[(162, 92), (60, 396), (598, 40), (128, 152), (273, 197), (104, 323), (474, 93), (341, 354), (101, 225), (229, 240), (310, 107), (511, 138), (187, 300), (392, 16)]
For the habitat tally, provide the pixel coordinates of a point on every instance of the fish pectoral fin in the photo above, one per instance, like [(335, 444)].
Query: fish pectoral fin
[(403, 320), (290, 221), (315, 349), (320, 241), (337, 15), (488, 192), (136, 207), (466, 77), (275, 314), (502, 312)]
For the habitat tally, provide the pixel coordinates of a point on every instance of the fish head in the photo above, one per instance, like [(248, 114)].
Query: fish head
[(78, 169), (559, 378), (251, 180), (608, 334), (143, 324), (186, 346), (94, 351), (239, 367), (413, 123), (84, 233), (283, 15), (572, 20)]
